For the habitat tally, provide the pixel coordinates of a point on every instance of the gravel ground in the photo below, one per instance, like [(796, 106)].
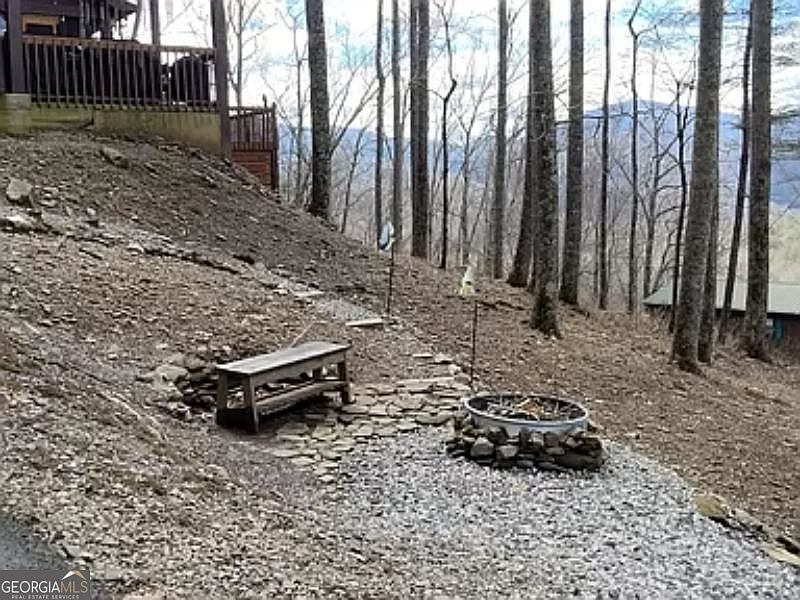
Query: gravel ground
[(462, 531)]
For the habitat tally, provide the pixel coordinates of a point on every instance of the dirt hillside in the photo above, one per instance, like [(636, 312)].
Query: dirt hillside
[(78, 297)]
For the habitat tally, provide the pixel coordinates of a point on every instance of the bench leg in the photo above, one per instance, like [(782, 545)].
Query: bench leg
[(341, 369), (222, 396), (250, 403)]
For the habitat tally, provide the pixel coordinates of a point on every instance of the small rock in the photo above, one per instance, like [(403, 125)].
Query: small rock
[(91, 217), (408, 403), (169, 373), (115, 157), (712, 507), (343, 446), (506, 452), (19, 192), (482, 448), (354, 409), (442, 359), (379, 410), (364, 431), (435, 420), (330, 454), (497, 435), (19, 223), (285, 452), (387, 431), (294, 428), (291, 438)]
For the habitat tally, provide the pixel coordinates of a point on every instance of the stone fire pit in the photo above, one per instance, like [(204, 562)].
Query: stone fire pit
[(526, 431)]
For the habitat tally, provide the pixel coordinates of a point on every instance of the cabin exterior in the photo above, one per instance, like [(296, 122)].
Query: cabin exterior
[(783, 309), (61, 66)]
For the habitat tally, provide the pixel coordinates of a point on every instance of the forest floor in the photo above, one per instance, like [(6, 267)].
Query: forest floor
[(86, 306)]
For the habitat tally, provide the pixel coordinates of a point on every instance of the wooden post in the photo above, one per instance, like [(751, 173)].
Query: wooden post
[(275, 145), (155, 23), (16, 70), (219, 37)]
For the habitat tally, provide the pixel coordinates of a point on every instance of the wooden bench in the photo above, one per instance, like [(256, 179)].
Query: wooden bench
[(277, 367)]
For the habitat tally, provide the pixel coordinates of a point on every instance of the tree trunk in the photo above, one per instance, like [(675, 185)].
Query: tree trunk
[(741, 188), (521, 267), (320, 124), (351, 174), (704, 187), (681, 121), (420, 192), (574, 224), (603, 303), (397, 115), (652, 203), (499, 203), (378, 209), (705, 343), (633, 267), (445, 147), (300, 141), (544, 316), (239, 52), (463, 225), (755, 334)]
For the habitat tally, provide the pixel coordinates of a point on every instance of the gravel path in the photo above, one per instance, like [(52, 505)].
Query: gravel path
[(461, 531)]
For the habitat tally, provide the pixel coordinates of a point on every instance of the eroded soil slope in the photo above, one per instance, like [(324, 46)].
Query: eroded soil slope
[(735, 431)]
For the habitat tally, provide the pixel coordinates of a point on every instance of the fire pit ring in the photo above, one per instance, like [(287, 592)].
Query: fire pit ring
[(479, 407)]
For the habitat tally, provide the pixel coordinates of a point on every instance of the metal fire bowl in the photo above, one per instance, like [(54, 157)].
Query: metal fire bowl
[(476, 405)]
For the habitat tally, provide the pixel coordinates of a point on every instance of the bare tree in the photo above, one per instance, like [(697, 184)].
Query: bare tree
[(521, 267), (379, 125), (420, 192), (574, 222), (681, 124), (633, 267), (741, 187), (445, 144), (499, 201), (544, 316), (755, 339), (320, 124), (603, 300), (704, 188), (397, 127)]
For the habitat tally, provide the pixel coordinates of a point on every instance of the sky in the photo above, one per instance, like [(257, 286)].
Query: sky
[(351, 32)]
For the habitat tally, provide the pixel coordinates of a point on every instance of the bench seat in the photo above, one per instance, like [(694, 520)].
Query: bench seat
[(278, 367)]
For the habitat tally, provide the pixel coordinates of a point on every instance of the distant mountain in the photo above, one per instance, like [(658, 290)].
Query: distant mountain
[(785, 134), (786, 141)]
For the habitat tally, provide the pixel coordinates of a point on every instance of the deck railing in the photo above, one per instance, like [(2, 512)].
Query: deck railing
[(118, 74), (254, 141), (254, 128)]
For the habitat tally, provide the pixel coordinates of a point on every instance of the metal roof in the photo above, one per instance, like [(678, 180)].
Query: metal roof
[(783, 298)]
